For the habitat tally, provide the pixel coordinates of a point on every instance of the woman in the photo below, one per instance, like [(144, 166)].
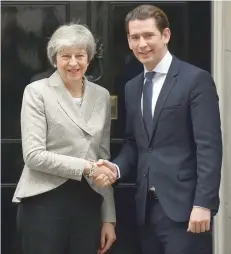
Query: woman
[(65, 119)]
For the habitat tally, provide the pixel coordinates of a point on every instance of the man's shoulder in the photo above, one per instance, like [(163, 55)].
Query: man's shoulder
[(135, 80), (194, 76), (190, 69)]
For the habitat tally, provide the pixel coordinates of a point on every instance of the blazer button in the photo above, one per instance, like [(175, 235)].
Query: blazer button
[(149, 150)]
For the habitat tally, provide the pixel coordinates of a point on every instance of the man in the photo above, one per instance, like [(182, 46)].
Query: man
[(173, 138)]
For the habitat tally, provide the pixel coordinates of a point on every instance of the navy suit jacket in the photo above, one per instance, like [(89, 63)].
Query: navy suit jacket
[(183, 157)]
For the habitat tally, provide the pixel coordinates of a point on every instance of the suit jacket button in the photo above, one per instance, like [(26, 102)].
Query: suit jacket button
[(149, 150)]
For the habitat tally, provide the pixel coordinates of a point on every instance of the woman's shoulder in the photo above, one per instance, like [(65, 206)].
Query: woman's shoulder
[(37, 86), (99, 89)]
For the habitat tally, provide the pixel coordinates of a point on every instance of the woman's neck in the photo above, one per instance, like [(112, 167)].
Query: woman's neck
[(76, 88)]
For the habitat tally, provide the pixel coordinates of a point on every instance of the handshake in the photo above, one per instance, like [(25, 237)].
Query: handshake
[(103, 172)]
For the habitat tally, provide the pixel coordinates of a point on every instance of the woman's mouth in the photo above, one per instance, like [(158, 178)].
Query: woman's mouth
[(73, 71)]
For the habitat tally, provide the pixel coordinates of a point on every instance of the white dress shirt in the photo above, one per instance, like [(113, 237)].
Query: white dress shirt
[(161, 71)]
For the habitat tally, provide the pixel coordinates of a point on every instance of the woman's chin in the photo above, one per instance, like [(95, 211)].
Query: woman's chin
[(72, 78)]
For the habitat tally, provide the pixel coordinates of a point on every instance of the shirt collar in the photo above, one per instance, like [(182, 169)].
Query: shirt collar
[(163, 66)]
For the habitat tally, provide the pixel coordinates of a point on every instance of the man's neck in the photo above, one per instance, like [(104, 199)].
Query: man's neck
[(152, 66)]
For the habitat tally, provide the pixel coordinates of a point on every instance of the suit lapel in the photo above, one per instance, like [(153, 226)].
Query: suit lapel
[(66, 102), (139, 91), (170, 81)]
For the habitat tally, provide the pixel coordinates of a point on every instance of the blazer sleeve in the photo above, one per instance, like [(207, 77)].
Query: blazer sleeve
[(127, 158), (207, 135), (34, 131), (108, 206)]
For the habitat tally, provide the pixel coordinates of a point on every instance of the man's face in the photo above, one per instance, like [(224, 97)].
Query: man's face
[(148, 44)]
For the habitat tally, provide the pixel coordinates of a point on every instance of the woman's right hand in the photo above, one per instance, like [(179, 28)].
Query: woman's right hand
[(102, 181), (103, 176)]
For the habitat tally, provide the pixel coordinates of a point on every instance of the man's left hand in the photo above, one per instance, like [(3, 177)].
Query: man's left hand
[(108, 237), (199, 220)]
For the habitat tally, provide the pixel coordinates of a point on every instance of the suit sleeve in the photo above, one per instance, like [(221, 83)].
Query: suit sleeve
[(205, 117), (34, 131), (127, 158), (108, 206)]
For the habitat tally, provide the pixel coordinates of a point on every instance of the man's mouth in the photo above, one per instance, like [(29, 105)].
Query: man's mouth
[(145, 53)]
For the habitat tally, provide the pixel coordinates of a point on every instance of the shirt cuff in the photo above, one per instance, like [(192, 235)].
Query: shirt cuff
[(118, 171), (201, 207)]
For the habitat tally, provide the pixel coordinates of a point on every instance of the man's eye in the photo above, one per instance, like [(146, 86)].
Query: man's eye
[(148, 36), (135, 37)]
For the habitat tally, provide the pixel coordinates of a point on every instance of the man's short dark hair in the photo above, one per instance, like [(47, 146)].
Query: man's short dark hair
[(144, 12)]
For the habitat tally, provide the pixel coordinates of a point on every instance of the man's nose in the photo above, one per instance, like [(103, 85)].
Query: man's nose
[(142, 42)]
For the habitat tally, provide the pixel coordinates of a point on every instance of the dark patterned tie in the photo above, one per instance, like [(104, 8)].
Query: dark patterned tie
[(147, 102)]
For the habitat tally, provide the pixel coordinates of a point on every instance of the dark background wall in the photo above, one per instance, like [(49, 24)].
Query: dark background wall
[(26, 28)]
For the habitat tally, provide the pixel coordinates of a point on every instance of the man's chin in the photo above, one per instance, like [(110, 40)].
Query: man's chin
[(146, 60), (149, 64)]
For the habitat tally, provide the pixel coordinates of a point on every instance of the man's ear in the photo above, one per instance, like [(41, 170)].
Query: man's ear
[(166, 35)]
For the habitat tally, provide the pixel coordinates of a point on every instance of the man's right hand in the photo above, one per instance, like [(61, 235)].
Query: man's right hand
[(103, 176), (108, 164)]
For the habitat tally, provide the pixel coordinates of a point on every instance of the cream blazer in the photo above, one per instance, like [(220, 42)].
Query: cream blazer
[(57, 136)]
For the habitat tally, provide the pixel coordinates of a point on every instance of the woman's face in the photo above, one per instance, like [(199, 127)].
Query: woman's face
[(72, 63)]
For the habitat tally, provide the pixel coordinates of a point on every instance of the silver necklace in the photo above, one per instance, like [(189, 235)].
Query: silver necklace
[(79, 102)]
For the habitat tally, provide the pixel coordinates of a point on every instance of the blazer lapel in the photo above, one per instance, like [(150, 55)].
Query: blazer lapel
[(170, 81), (89, 99), (66, 102)]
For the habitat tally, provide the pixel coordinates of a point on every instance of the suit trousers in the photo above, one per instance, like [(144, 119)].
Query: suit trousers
[(161, 235), (65, 220)]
